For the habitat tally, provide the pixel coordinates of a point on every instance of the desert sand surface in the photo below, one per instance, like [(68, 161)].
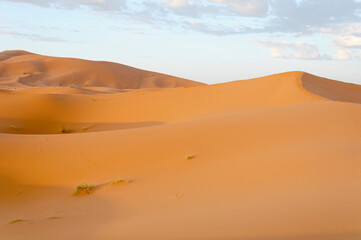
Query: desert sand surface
[(271, 158)]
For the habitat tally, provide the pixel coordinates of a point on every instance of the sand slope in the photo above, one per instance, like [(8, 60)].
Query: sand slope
[(276, 157), (21, 69)]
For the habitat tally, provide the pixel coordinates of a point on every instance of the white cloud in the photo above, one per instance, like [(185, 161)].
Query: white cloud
[(176, 3), (302, 50), (278, 52), (281, 16), (342, 28), (292, 50), (33, 37), (349, 41), (98, 5), (250, 8), (247, 8), (342, 54)]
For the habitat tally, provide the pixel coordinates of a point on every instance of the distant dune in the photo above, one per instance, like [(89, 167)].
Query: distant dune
[(270, 158), (21, 69)]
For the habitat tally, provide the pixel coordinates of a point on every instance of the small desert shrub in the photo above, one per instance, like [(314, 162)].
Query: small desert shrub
[(189, 157), (87, 128), (120, 181), (64, 129), (16, 220), (83, 189)]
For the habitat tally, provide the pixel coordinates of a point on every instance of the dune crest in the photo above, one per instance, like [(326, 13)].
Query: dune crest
[(13, 53)]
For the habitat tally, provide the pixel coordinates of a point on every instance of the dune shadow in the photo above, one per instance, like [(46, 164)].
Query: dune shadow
[(331, 89), (33, 126)]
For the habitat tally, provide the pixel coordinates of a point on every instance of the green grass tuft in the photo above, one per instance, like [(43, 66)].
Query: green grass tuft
[(64, 129), (83, 189)]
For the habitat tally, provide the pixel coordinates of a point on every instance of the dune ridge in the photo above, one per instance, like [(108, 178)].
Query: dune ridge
[(275, 157), (21, 69), (150, 106)]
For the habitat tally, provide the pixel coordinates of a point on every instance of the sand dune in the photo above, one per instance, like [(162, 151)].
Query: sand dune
[(20, 69), (276, 157)]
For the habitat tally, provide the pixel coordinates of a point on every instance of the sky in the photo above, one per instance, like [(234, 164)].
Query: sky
[(211, 41)]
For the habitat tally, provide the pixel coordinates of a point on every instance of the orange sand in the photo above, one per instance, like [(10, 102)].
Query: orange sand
[(272, 158)]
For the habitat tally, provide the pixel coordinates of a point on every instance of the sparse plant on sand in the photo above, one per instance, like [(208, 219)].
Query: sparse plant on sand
[(87, 128), (120, 181), (83, 189), (64, 129), (13, 127), (16, 220), (189, 157)]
